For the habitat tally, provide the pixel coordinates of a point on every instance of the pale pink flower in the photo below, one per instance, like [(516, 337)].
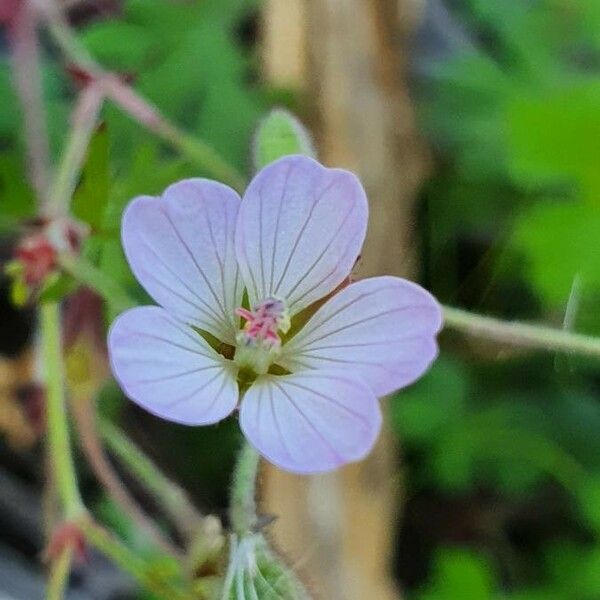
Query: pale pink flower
[(237, 282)]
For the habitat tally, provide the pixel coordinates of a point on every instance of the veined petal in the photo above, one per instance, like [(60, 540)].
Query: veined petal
[(382, 329), (299, 231), (180, 248), (312, 421), (168, 369)]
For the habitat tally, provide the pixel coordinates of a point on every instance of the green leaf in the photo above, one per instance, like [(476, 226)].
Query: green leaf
[(16, 197), (91, 196), (460, 574), (589, 501), (118, 45), (438, 399), (280, 134), (226, 120), (555, 137), (559, 242)]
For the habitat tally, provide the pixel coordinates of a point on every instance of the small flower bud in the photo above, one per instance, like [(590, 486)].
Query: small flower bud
[(36, 256)]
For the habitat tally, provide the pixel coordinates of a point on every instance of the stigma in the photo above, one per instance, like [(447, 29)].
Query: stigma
[(259, 341)]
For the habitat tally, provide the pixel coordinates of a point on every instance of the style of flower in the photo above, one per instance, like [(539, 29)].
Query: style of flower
[(247, 317)]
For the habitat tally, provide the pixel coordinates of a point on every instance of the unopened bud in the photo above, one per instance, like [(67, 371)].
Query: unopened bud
[(36, 256)]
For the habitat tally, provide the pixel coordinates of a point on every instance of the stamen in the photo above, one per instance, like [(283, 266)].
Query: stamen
[(263, 324)]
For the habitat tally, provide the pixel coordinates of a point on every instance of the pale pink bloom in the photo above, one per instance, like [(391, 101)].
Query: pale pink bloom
[(235, 279)]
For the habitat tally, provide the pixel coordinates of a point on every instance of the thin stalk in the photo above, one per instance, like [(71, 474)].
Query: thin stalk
[(242, 509), (58, 577), (535, 337), (84, 415), (148, 115), (83, 122), (25, 54), (127, 560), (61, 33), (59, 442), (104, 285), (202, 154), (169, 495)]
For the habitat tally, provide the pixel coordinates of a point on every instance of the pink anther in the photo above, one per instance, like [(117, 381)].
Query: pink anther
[(264, 321)]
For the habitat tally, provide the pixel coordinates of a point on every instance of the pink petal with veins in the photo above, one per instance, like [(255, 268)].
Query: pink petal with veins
[(299, 231), (382, 329), (167, 368), (312, 421)]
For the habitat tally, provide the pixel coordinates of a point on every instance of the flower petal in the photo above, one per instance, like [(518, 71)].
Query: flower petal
[(312, 421), (180, 248), (167, 368), (299, 231), (382, 328)]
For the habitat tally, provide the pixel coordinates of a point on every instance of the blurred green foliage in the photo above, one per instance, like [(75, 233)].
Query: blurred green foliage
[(460, 574), (512, 226), (515, 115)]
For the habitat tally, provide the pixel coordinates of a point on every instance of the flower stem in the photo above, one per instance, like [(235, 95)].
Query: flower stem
[(171, 497), (25, 53), (242, 510), (85, 420), (59, 443), (521, 334), (200, 153), (127, 560), (88, 274), (58, 578), (83, 121)]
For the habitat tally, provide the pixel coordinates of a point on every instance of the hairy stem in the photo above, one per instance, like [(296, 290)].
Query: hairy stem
[(146, 114), (83, 121), (520, 334), (242, 509), (104, 285), (84, 415), (58, 578), (24, 46), (59, 443), (169, 495), (129, 561)]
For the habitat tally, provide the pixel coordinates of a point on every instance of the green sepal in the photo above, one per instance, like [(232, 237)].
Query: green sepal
[(258, 573), (279, 134)]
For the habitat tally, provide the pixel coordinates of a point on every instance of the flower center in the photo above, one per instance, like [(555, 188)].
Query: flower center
[(259, 342)]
